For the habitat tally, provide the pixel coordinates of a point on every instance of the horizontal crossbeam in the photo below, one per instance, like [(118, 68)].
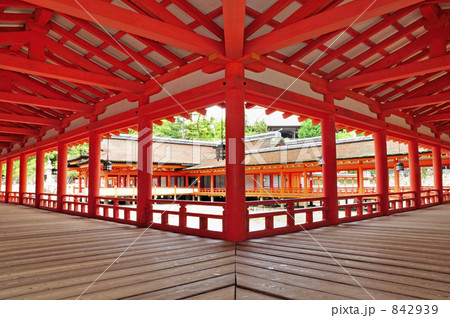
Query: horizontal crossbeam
[(45, 102)]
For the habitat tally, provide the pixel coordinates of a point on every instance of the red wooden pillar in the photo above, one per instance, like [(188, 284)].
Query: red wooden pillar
[(397, 179), (62, 175), (9, 177), (236, 211), (360, 180), (437, 171), (94, 173), (381, 170), (145, 168), (329, 167), (40, 171), (22, 177), (414, 170)]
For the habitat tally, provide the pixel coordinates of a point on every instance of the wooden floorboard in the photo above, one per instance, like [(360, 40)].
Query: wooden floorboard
[(47, 255), (403, 256)]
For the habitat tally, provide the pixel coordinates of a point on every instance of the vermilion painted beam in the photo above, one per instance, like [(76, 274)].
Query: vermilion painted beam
[(29, 120), (114, 42), (417, 102), (132, 22), (72, 57), (14, 38), (266, 16), (363, 36), (45, 102), (234, 24), (378, 48), (430, 87), (200, 17), (10, 139), (408, 70), (432, 118), (154, 8), (322, 23), (31, 84), (308, 9), (17, 64), (70, 35), (18, 131), (194, 95)]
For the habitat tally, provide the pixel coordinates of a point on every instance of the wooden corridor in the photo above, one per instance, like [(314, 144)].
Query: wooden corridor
[(46, 255)]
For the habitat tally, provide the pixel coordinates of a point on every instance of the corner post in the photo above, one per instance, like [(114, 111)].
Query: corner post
[(94, 172), (9, 178), (414, 171), (40, 167), (145, 166), (62, 175), (382, 170), (235, 220), (329, 166), (437, 171), (22, 177)]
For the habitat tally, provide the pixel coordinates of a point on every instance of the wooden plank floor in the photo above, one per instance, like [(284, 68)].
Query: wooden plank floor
[(403, 256), (47, 255)]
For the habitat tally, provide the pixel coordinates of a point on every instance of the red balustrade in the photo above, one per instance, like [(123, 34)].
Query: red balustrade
[(271, 217), (13, 197), (29, 199), (446, 195), (48, 201), (402, 201), (121, 210), (2, 196), (429, 197), (75, 204), (359, 207), (190, 217)]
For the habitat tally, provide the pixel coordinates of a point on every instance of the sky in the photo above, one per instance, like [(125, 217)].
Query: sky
[(256, 114)]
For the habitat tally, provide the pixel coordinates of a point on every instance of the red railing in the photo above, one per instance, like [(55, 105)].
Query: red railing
[(429, 197), (13, 197), (402, 201), (2, 196), (48, 201), (190, 217), (271, 217), (446, 195), (75, 204), (358, 207), (119, 210), (29, 198)]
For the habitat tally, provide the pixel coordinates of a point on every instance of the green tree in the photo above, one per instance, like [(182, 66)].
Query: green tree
[(258, 127), (308, 130), (200, 127), (343, 134)]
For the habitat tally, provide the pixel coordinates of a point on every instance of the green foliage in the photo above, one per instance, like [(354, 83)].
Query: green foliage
[(308, 130), (77, 151), (258, 127), (200, 127), (343, 134)]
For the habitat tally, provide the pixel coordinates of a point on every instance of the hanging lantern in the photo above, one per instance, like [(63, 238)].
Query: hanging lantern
[(107, 165), (400, 166), (54, 171), (320, 161), (220, 152)]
